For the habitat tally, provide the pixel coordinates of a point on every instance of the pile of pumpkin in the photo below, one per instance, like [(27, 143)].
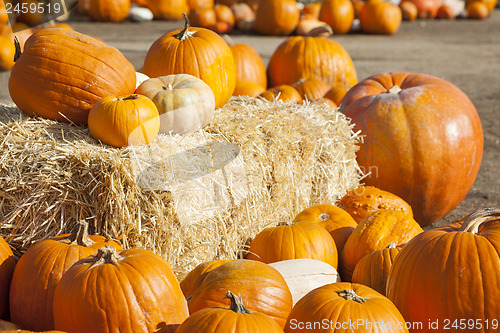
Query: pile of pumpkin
[(392, 273)]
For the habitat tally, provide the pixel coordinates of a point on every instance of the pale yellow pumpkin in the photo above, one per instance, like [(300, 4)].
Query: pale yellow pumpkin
[(185, 103)]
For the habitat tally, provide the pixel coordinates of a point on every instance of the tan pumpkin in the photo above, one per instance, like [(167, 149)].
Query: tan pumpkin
[(338, 222), (184, 102), (293, 241), (364, 200), (320, 58), (304, 275), (375, 232), (380, 17), (277, 17), (244, 16), (283, 93), (199, 52), (339, 14), (409, 10), (124, 121), (313, 27), (109, 11), (373, 269)]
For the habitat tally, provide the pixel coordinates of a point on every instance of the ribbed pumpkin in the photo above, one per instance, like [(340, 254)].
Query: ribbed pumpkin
[(49, 81), (338, 14), (374, 233), (373, 269), (311, 89), (7, 264), (335, 220), (282, 92), (198, 52), (31, 298), (127, 291), (423, 139), (249, 64), (124, 121), (380, 17), (311, 57), (168, 9), (260, 285), (276, 17), (185, 103), (450, 274), (364, 200), (337, 93), (192, 281), (301, 240), (109, 11), (345, 307), (235, 319)]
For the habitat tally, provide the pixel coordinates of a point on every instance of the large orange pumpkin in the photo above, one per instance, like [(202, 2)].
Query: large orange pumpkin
[(335, 220), (262, 287), (424, 139), (128, 291), (345, 307), (109, 11), (48, 80), (235, 319), (374, 233), (199, 52), (302, 240), (311, 57), (450, 275), (338, 14), (31, 298), (7, 264), (276, 17)]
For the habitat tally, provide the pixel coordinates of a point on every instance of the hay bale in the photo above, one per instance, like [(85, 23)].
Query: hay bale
[(188, 198)]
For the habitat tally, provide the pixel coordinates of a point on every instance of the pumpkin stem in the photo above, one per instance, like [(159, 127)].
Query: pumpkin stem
[(228, 40), (129, 98), (350, 295), (236, 303), (324, 217), (393, 245), (473, 221), (105, 255), (185, 33), (168, 87), (18, 53), (79, 235), (323, 30), (395, 89)]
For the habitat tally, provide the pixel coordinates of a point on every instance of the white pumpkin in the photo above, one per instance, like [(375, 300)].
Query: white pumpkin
[(140, 14), (304, 275), (185, 102), (140, 78)]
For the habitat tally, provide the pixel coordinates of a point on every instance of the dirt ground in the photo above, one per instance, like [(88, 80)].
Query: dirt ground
[(464, 52)]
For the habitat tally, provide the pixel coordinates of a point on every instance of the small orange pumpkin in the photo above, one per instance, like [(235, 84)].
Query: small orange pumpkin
[(311, 89), (249, 64), (380, 17), (276, 17), (337, 93), (7, 265), (7, 52), (446, 12), (477, 10), (168, 9), (339, 14), (109, 11), (124, 121), (248, 88), (283, 92)]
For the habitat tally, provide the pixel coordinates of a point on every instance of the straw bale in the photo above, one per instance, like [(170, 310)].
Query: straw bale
[(189, 198)]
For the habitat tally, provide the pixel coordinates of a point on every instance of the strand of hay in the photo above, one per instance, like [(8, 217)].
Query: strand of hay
[(189, 198)]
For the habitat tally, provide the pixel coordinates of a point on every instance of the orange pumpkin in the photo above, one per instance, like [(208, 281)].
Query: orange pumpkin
[(168, 9), (456, 264), (374, 233), (373, 269), (234, 319), (7, 52), (446, 12), (335, 220), (128, 291), (311, 89), (262, 287), (199, 4), (283, 92), (225, 19), (4, 17), (203, 17), (477, 10), (30, 17), (248, 88), (198, 52), (424, 139), (312, 9), (339, 14), (7, 265), (380, 17), (48, 80), (409, 10), (109, 11), (124, 121), (490, 4), (364, 200), (249, 64), (192, 281), (345, 307), (276, 17), (304, 240), (83, 7), (311, 57), (337, 93), (48, 260), (427, 9)]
